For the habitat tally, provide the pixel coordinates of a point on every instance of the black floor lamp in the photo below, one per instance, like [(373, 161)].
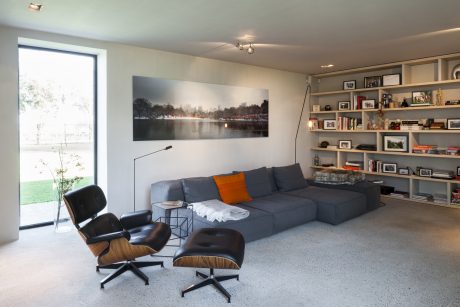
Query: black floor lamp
[(134, 162)]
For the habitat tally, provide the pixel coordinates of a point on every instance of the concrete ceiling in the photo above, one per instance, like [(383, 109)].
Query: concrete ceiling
[(293, 35)]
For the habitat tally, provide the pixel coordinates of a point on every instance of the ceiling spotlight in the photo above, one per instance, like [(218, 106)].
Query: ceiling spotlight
[(249, 47), (35, 7), (327, 66)]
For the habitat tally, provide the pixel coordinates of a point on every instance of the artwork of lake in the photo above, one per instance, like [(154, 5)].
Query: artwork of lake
[(182, 110)]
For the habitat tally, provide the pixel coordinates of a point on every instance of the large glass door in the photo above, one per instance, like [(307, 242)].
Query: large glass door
[(57, 106)]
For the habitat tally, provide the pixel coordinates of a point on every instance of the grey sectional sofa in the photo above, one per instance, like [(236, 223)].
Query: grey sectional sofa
[(282, 199)]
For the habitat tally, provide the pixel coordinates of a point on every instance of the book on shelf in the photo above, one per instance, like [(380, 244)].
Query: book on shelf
[(349, 123), (351, 168), (399, 194)]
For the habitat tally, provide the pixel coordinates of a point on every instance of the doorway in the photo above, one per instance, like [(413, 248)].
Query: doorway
[(57, 128)]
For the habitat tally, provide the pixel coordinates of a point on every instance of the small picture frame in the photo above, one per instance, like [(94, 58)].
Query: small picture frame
[(390, 80), (403, 171), (349, 85), (368, 104), (422, 98), (344, 144), (374, 81), (330, 124), (453, 123), (389, 168), (316, 108), (425, 172), (343, 105), (397, 143)]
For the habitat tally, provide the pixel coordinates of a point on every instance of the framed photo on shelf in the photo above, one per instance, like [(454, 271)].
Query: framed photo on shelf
[(453, 123), (330, 124), (422, 98), (344, 144), (316, 108), (403, 171), (374, 81), (393, 79), (389, 168), (425, 172), (396, 143), (343, 105), (368, 104), (349, 85)]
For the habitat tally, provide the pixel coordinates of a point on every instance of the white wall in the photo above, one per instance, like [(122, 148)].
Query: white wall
[(187, 158)]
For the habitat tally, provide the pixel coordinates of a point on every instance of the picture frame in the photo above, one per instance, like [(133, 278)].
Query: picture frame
[(368, 104), (403, 171), (458, 171), (422, 98), (425, 172), (349, 85), (453, 124), (396, 143), (373, 81), (316, 108), (343, 105), (344, 144), (391, 79), (389, 168), (329, 124)]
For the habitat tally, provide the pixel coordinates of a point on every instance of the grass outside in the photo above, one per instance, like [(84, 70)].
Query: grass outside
[(41, 191)]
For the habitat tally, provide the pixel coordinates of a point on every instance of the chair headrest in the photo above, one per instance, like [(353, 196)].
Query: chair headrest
[(85, 202)]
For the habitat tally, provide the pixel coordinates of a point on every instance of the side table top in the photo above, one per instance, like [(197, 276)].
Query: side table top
[(172, 204)]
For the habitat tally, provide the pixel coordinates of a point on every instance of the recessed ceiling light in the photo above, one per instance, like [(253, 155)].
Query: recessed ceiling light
[(35, 7), (327, 66)]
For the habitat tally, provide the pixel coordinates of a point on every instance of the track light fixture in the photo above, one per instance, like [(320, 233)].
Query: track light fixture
[(248, 47)]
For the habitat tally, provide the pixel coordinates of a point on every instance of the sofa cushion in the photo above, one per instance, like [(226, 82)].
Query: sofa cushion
[(289, 177), (334, 206), (288, 211), (232, 188), (271, 177), (259, 224), (166, 190), (258, 182), (199, 189)]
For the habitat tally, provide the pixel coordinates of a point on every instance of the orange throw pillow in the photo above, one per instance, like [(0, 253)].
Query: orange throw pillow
[(232, 188)]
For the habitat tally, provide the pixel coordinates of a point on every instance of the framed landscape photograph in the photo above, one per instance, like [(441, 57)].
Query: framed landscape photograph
[(349, 85), (374, 81), (422, 98), (368, 104), (425, 172), (344, 144), (453, 123), (330, 124), (395, 143), (343, 105), (390, 168), (393, 79)]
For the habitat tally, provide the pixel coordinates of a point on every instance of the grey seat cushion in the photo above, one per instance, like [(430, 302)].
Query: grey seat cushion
[(288, 211), (289, 177), (199, 189), (259, 224), (334, 206), (257, 182)]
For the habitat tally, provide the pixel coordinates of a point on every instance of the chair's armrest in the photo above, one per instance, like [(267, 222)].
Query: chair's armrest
[(136, 219), (108, 237)]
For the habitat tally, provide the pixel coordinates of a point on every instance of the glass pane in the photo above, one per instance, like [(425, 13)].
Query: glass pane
[(56, 124)]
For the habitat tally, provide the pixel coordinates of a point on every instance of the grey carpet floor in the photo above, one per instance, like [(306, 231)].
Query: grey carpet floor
[(403, 254)]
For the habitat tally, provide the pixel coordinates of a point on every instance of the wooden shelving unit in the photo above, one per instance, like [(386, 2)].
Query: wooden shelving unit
[(432, 73)]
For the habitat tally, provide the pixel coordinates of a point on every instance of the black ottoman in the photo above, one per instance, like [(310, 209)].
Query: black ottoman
[(212, 248)]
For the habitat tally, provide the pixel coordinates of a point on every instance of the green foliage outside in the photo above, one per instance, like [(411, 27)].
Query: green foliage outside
[(42, 190)]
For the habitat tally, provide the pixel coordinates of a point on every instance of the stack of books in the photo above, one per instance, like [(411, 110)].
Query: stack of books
[(375, 166), (410, 125), (423, 196), (358, 102), (353, 165), (425, 149), (456, 197), (440, 174), (453, 150), (349, 123)]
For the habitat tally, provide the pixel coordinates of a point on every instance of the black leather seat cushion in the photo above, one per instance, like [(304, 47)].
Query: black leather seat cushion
[(155, 235), (214, 242)]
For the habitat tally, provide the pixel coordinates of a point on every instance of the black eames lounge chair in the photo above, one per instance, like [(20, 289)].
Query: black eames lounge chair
[(116, 242)]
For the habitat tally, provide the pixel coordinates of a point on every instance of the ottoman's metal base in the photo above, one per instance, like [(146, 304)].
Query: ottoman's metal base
[(211, 280)]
